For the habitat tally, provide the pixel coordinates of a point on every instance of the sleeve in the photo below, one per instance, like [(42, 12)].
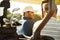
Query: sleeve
[(36, 25)]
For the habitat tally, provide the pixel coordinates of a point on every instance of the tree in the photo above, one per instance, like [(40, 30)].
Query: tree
[(37, 17), (17, 15), (9, 14)]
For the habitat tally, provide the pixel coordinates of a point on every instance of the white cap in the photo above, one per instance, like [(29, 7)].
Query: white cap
[(29, 8)]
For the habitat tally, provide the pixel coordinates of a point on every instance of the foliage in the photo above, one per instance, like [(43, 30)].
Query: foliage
[(17, 15), (9, 14), (37, 17), (58, 18)]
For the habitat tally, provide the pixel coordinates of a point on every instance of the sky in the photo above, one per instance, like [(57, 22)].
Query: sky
[(21, 5), (58, 12), (1, 0)]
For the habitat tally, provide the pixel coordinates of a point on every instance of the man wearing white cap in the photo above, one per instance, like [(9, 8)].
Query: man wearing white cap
[(28, 16)]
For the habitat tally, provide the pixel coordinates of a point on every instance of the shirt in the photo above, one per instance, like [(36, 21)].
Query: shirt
[(52, 28)]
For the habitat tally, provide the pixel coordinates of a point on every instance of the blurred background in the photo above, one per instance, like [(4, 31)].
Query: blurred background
[(17, 7)]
